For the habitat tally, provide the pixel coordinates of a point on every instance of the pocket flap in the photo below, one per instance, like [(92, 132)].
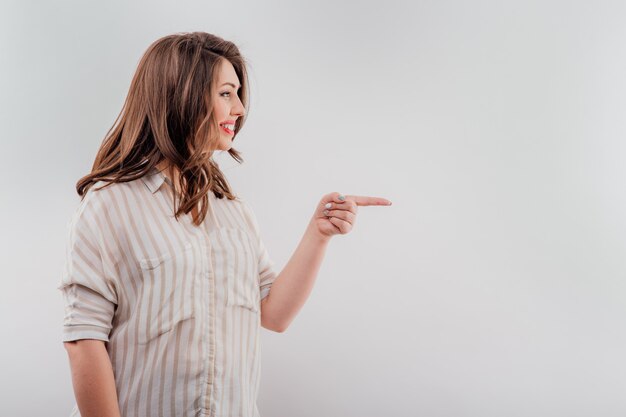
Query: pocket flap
[(151, 263)]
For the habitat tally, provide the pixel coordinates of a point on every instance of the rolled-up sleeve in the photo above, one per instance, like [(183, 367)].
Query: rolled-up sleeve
[(267, 271), (89, 292)]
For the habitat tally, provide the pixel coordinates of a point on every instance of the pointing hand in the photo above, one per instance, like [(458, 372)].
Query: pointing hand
[(336, 213)]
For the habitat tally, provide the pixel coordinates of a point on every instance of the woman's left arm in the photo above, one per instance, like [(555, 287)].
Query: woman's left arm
[(335, 214)]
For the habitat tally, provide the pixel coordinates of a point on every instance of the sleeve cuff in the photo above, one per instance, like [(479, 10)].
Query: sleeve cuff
[(265, 292), (84, 331)]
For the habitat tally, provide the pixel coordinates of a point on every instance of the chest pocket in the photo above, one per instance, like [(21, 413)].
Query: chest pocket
[(167, 296), (236, 262)]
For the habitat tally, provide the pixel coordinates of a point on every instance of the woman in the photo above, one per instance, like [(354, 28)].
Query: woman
[(167, 280)]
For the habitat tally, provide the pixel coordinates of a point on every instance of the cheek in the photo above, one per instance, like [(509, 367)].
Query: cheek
[(220, 111)]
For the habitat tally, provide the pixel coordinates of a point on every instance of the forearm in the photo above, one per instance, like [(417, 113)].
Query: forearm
[(92, 378), (294, 283)]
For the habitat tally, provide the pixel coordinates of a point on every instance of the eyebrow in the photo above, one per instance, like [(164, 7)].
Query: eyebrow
[(232, 85)]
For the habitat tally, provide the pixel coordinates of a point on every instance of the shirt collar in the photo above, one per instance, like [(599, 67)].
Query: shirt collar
[(154, 179)]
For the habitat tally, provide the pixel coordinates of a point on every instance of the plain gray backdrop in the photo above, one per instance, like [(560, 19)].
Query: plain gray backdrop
[(495, 283)]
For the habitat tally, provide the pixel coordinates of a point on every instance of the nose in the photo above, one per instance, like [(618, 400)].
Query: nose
[(238, 110)]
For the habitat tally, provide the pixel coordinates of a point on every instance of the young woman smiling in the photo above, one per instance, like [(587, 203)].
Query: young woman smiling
[(167, 280)]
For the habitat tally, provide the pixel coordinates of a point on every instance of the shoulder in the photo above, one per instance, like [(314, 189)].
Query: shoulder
[(244, 206), (248, 215), (103, 195), (239, 203), (94, 202), (99, 204), (91, 204)]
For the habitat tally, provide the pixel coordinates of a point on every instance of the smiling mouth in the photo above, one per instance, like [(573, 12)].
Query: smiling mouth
[(227, 130)]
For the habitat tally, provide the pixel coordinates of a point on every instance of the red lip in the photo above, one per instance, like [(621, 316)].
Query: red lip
[(230, 132), (230, 122)]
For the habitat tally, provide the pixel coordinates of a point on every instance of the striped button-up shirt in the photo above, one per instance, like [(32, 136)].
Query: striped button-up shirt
[(177, 304)]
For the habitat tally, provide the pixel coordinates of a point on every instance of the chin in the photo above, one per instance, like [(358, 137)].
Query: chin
[(227, 144), (225, 147)]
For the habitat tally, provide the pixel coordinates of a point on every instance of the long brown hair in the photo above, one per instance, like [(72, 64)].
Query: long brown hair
[(167, 115)]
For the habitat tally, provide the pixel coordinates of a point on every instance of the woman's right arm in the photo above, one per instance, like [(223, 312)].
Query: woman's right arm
[(92, 378)]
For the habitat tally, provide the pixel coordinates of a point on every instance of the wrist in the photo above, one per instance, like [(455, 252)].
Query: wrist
[(313, 232)]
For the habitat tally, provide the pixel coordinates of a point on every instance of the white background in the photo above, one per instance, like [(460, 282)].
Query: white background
[(495, 283)]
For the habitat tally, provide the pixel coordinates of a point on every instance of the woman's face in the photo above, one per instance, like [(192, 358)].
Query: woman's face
[(227, 107)]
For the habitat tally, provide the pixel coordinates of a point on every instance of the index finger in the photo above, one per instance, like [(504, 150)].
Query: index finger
[(362, 200)]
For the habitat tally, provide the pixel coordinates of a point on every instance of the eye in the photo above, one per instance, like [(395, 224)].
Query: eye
[(226, 92)]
